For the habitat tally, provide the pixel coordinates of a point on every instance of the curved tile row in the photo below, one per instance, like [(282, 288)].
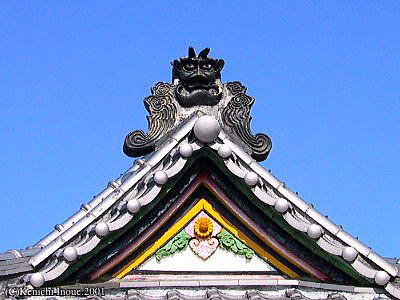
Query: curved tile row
[(135, 189), (132, 205), (302, 216), (295, 211)]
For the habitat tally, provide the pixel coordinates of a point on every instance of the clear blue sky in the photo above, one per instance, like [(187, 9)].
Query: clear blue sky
[(325, 75)]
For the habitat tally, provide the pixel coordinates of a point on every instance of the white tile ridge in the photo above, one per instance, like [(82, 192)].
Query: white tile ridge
[(80, 224), (82, 212), (102, 204), (95, 211), (87, 246), (112, 185), (393, 290), (307, 208)]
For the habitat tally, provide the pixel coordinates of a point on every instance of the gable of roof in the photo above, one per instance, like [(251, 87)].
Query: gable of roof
[(203, 205), (134, 191)]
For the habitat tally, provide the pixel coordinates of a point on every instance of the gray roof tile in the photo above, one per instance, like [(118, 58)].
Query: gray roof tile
[(16, 261), (8, 264)]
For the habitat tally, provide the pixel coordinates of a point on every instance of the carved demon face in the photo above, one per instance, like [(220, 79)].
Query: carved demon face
[(197, 79)]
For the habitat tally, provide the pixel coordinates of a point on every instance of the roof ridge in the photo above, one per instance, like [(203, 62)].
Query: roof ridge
[(161, 165)]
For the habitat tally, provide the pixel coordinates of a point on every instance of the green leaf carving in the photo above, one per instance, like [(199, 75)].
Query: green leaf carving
[(229, 242), (176, 244)]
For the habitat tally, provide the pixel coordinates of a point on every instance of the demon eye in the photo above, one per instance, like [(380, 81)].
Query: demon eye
[(206, 67), (188, 66)]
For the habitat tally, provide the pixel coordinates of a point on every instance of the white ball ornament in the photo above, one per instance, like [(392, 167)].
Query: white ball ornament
[(349, 253), (224, 151), (102, 229), (160, 177), (36, 279), (251, 178), (314, 231), (381, 277), (70, 254), (206, 129), (133, 206), (281, 205), (186, 150)]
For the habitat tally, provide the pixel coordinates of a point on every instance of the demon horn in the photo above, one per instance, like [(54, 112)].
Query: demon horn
[(191, 53), (203, 53)]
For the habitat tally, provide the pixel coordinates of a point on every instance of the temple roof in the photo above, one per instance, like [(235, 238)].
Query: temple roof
[(180, 135), (140, 184)]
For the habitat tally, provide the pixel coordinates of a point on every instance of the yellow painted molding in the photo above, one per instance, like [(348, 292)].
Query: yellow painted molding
[(181, 223)]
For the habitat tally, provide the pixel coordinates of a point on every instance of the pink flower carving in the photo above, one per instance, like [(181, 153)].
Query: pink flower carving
[(190, 228), (203, 247)]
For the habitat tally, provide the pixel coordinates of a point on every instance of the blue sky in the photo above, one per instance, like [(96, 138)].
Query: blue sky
[(325, 75)]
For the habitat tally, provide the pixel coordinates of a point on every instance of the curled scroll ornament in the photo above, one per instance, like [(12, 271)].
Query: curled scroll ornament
[(163, 112), (236, 115)]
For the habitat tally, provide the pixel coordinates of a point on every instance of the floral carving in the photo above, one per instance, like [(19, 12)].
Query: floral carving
[(204, 235), (229, 242), (204, 248), (176, 244), (190, 229), (203, 230), (203, 227)]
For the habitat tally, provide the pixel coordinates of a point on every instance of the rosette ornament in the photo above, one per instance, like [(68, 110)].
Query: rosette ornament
[(203, 227), (203, 230)]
